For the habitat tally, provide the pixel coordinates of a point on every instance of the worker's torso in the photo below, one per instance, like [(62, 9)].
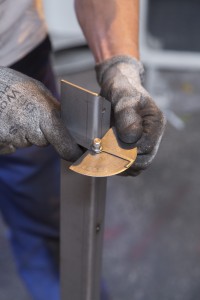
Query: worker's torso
[(22, 27)]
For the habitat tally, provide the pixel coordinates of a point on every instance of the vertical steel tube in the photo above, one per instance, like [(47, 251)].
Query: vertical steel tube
[(82, 222)]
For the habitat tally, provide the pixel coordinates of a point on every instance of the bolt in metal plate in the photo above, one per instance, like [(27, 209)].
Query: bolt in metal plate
[(114, 158)]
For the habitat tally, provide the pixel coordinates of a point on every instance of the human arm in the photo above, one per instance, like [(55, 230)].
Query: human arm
[(111, 29)]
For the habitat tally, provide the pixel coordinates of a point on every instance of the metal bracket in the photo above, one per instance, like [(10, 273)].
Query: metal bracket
[(87, 117)]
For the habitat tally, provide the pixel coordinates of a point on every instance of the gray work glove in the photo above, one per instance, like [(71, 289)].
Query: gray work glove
[(136, 117), (30, 115)]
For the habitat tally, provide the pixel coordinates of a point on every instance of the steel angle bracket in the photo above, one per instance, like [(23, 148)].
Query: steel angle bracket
[(87, 117), (85, 114)]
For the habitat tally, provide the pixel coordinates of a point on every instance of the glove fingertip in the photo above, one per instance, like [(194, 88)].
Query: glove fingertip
[(71, 155), (129, 135)]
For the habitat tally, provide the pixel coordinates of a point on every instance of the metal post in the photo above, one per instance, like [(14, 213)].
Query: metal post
[(87, 117), (82, 222)]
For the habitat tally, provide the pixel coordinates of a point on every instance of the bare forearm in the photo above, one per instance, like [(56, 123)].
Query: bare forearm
[(110, 26)]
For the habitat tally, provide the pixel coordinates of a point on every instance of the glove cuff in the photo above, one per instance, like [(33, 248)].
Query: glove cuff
[(103, 67)]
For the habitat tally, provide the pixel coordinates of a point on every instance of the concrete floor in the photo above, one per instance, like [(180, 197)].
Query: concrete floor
[(152, 234)]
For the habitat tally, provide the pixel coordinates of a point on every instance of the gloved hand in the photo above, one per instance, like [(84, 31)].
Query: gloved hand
[(136, 117), (30, 115)]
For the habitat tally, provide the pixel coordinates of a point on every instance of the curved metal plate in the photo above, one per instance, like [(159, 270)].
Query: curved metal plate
[(115, 158)]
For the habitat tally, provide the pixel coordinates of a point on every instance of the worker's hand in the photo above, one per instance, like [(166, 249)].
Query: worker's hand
[(30, 115), (136, 117)]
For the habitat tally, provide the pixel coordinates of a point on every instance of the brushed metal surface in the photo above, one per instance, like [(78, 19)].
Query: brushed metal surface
[(82, 222), (86, 114)]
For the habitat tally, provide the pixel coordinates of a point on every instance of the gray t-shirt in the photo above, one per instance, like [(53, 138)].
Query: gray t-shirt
[(22, 27)]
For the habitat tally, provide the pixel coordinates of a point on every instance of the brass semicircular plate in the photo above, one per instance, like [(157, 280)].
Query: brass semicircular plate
[(115, 158)]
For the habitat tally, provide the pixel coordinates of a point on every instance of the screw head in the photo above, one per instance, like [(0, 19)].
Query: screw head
[(96, 146)]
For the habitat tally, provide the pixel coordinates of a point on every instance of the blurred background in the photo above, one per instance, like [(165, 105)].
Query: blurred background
[(152, 232)]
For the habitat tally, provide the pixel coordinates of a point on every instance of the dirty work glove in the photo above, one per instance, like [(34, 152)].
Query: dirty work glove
[(30, 115), (136, 117)]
